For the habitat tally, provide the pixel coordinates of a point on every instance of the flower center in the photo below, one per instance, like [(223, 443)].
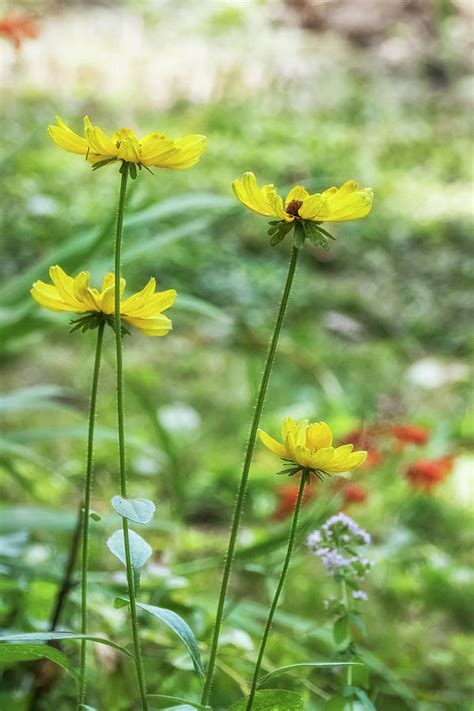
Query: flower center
[(293, 207)]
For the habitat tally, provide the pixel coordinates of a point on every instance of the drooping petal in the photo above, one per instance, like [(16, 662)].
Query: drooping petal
[(99, 142), (65, 286), (263, 201), (349, 202), (82, 292), (65, 138), (352, 461), (47, 296), (272, 444), (155, 326), (188, 151)]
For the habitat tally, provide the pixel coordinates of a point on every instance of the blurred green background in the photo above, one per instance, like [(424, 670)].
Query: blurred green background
[(377, 333)]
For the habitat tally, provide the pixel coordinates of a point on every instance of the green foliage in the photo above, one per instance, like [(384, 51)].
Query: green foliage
[(136, 510), (272, 700), (181, 629)]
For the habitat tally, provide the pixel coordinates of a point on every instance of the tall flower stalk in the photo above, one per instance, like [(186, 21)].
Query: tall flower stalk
[(302, 214), (86, 511), (245, 475), (121, 438), (276, 597)]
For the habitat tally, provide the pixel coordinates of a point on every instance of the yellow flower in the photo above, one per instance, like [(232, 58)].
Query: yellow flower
[(143, 310), (154, 149), (308, 448), (349, 202)]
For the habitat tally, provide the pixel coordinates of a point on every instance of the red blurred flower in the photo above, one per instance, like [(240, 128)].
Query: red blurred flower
[(427, 473), (287, 496), (354, 494), (410, 434), (365, 439), (17, 28)]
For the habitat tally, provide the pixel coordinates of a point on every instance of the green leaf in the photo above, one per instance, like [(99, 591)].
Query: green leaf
[(336, 703), (47, 636), (315, 235), (137, 510), (303, 665), (28, 652), (299, 236), (272, 700), (140, 551), (364, 699), (84, 707), (181, 629), (95, 516), (341, 630), (357, 620), (191, 704)]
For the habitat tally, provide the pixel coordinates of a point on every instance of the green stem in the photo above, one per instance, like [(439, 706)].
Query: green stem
[(86, 513), (245, 475), (276, 597), (345, 600), (121, 440)]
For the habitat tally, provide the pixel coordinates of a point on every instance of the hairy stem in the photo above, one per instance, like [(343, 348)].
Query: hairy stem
[(121, 439), (245, 475), (345, 600), (86, 513), (276, 597)]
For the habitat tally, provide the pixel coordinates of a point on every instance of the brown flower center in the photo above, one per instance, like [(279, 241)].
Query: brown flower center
[(293, 207)]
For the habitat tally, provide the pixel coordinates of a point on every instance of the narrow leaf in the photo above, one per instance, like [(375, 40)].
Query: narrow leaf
[(192, 704), (47, 636), (303, 665), (28, 652), (137, 510), (181, 629)]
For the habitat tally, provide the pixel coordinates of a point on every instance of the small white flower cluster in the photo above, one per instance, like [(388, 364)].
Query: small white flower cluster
[(335, 544)]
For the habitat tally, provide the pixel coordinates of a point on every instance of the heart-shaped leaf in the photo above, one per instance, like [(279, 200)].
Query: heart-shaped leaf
[(140, 551), (272, 700), (137, 510), (181, 629)]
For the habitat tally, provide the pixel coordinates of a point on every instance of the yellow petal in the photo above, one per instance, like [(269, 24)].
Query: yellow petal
[(64, 137), (82, 292), (314, 208), (187, 151), (296, 193), (156, 326), (322, 458), (47, 296), (99, 142), (348, 463), (263, 201), (65, 286), (302, 456), (272, 444), (349, 202), (318, 436), (300, 432), (289, 425)]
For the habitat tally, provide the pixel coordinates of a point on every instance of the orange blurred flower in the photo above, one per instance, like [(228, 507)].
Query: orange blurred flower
[(287, 496), (354, 494), (410, 434), (427, 473), (17, 28)]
